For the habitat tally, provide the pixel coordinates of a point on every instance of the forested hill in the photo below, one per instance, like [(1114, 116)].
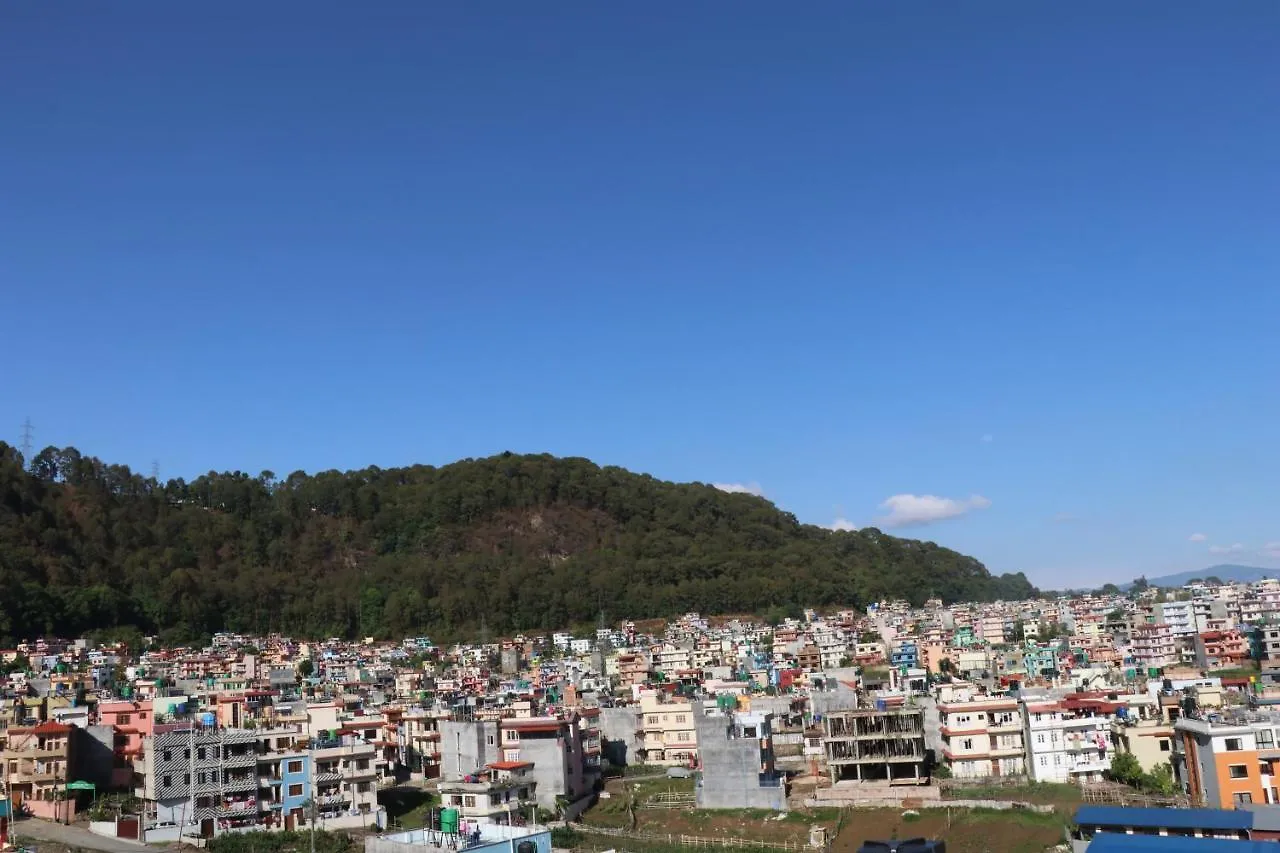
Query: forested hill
[(524, 542)]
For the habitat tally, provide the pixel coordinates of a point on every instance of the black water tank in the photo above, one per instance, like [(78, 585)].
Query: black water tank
[(908, 845), (526, 847)]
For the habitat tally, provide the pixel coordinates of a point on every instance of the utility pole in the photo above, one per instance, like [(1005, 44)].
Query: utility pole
[(28, 432)]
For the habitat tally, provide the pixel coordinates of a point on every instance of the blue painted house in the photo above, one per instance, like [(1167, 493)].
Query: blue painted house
[(295, 787), (905, 654)]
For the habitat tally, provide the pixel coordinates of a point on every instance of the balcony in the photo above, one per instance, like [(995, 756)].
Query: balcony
[(213, 787), (240, 783), (328, 777), (241, 759), (269, 781), (333, 800), (358, 773), (238, 808)]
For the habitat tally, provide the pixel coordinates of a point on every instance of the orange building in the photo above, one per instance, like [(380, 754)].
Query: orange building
[(1228, 764)]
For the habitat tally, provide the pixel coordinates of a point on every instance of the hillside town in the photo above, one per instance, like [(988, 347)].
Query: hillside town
[(885, 706)]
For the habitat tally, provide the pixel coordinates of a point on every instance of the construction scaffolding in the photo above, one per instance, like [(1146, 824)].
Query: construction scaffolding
[(876, 746)]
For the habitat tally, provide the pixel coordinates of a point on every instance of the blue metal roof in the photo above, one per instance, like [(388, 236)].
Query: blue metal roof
[(1115, 842), (1172, 818)]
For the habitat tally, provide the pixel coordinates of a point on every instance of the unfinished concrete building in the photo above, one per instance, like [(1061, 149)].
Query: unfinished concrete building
[(871, 745)]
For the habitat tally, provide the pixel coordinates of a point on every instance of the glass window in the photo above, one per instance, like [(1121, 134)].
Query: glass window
[(1239, 771), (1233, 744)]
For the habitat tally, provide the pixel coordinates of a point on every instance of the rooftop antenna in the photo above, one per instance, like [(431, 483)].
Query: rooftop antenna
[(155, 470), (28, 432)]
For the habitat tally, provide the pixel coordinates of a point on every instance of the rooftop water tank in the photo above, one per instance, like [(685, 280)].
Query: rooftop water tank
[(207, 719)]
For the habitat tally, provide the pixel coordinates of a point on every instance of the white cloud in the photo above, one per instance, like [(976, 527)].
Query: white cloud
[(842, 524), (1197, 537), (741, 488), (987, 438), (1271, 549), (914, 510), (1226, 549)]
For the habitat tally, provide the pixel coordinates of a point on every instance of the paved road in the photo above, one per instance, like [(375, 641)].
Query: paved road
[(72, 836)]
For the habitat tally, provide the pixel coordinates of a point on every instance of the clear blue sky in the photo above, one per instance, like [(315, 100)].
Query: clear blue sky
[(1022, 257)]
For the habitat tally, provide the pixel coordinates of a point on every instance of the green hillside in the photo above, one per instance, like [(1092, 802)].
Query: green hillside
[(524, 542)]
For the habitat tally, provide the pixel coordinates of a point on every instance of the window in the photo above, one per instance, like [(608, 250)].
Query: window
[(168, 781), (1242, 798), (1239, 771), (1039, 738), (123, 719), (1044, 761), (295, 790), (294, 767), (362, 787), (200, 754), (168, 755), (680, 718), (1233, 744), (469, 802), (1164, 744), (1266, 738), (967, 743), (653, 719)]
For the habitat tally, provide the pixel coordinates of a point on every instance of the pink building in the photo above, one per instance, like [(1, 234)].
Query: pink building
[(132, 722)]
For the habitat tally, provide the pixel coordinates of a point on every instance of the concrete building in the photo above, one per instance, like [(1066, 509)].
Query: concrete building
[(344, 780), (1152, 646), (503, 792), (738, 771), (205, 776), (872, 745), (982, 737), (666, 731), (37, 763), (549, 753), (1144, 733), (1230, 762), (1068, 740)]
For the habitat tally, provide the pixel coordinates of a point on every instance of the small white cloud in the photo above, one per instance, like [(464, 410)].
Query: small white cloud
[(1271, 549), (915, 510), (987, 438), (1226, 549), (741, 488), (842, 524), (1197, 537)]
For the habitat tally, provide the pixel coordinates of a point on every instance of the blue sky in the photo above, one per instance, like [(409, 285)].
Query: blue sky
[(1022, 258)]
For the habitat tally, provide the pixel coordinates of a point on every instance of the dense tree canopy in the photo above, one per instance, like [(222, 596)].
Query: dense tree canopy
[(524, 542)]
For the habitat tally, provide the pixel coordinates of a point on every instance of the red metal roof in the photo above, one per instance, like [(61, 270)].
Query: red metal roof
[(509, 765)]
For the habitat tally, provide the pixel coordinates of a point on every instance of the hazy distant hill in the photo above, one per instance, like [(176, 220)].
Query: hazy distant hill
[(516, 543), (1224, 572)]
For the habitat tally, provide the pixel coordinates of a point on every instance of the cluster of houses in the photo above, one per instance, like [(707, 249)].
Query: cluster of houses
[(852, 706)]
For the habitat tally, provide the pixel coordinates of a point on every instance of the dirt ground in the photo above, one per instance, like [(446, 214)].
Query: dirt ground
[(964, 830)]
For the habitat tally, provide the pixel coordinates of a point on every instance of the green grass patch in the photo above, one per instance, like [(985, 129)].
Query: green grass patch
[(410, 807)]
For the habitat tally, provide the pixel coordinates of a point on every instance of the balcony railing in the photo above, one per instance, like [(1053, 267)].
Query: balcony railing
[(244, 759), (328, 776), (238, 808), (240, 783)]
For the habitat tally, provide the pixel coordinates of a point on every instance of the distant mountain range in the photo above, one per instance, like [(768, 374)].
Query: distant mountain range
[(1224, 572)]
